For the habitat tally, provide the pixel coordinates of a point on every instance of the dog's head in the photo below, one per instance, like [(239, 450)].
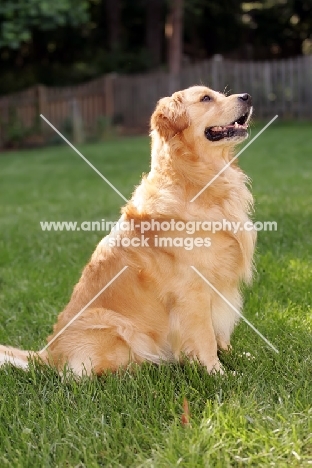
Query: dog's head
[(205, 114)]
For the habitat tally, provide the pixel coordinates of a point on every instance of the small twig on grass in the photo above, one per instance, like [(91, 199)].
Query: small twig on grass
[(185, 417)]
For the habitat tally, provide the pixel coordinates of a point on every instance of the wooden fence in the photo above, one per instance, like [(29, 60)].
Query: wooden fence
[(281, 87)]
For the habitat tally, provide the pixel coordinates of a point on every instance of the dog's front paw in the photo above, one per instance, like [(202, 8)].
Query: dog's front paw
[(215, 367), (224, 345)]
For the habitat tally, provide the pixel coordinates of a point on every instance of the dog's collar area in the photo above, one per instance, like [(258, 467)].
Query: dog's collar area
[(238, 128)]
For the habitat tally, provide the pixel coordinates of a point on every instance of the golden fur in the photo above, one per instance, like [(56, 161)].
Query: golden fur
[(159, 308)]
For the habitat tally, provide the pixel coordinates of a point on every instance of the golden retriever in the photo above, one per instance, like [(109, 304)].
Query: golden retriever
[(159, 308)]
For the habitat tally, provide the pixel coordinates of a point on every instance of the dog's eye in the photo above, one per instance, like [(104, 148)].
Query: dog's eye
[(205, 98)]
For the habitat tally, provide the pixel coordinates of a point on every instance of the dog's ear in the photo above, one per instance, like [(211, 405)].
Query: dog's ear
[(170, 116)]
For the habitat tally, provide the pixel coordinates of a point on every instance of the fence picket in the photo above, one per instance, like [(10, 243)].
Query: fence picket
[(282, 87)]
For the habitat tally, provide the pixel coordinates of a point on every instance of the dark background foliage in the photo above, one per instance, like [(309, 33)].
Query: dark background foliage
[(71, 41)]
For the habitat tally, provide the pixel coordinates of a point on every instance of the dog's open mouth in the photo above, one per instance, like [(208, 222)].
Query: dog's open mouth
[(238, 128)]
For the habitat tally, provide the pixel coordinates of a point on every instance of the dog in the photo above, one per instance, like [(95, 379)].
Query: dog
[(159, 308)]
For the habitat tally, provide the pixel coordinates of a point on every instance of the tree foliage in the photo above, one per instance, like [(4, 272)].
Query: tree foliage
[(58, 42), (20, 17)]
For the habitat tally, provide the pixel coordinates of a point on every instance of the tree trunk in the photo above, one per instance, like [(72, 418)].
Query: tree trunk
[(113, 14), (154, 30), (175, 29)]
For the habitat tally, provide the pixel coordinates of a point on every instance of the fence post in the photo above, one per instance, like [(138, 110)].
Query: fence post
[(109, 107), (173, 83), (78, 133), (41, 97)]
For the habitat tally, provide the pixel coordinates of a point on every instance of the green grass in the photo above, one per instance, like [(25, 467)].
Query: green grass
[(258, 416)]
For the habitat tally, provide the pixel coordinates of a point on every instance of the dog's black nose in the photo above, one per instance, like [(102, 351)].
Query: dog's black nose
[(245, 97)]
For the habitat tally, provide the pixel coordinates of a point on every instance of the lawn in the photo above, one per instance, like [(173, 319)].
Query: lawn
[(258, 414)]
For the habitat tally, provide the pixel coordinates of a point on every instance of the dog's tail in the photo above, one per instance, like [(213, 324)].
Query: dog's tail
[(19, 357)]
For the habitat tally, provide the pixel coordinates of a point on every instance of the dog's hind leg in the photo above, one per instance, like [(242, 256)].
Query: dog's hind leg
[(98, 340)]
